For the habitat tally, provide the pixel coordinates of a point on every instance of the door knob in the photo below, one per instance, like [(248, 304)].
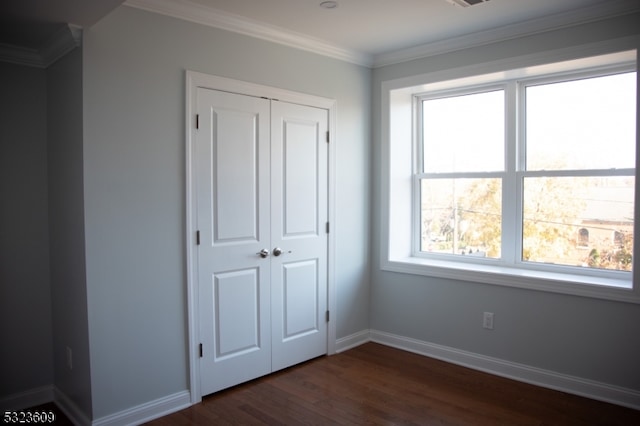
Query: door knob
[(277, 251), (264, 253)]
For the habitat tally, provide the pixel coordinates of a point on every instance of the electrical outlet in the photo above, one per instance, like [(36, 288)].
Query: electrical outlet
[(69, 358), (487, 320)]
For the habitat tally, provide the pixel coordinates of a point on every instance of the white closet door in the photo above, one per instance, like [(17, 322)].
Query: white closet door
[(233, 199), (299, 155)]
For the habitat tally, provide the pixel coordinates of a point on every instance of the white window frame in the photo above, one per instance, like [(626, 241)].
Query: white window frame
[(418, 155), (400, 215)]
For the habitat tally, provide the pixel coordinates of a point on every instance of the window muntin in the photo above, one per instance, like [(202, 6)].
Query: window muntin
[(551, 186)]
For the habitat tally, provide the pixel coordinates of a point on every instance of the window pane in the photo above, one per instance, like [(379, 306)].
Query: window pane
[(464, 133), (579, 221), (461, 216), (582, 124)]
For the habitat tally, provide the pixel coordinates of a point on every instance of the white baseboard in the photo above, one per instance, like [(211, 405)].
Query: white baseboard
[(70, 409), (523, 373), (353, 340), (26, 399), (148, 411)]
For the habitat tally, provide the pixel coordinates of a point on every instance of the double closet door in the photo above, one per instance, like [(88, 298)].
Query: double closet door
[(261, 201)]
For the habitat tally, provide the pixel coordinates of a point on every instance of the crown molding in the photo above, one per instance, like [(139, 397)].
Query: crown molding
[(62, 42), (535, 26), (67, 38), (200, 14), (194, 12)]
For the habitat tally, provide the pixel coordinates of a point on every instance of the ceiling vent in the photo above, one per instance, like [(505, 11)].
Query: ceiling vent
[(466, 3)]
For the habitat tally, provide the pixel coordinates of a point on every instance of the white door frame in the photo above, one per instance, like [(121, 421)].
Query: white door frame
[(194, 80)]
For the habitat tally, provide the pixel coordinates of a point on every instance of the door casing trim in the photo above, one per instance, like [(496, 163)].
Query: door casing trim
[(195, 80)]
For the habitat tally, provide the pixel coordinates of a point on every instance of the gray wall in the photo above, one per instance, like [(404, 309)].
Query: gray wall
[(588, 338), (66, 229), (134, 176), (25, 309)]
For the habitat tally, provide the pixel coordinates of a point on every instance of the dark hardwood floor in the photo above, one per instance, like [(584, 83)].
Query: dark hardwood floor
[(378, 385)]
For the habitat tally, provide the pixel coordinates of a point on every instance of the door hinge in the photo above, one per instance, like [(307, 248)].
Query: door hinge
[(327, 136), (327, 227), (200, 350), (327, 316), (197, 121), (197, 238)]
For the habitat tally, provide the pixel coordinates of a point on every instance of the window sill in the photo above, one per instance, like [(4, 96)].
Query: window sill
[(565, 283)]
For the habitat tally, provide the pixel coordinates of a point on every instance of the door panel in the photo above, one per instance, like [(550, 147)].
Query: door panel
[(300, 177), (300, 292), (233, 197), (236, 213), (299, 213), (237, 314)]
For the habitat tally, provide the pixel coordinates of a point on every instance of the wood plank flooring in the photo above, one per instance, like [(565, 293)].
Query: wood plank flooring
[(378, 385)]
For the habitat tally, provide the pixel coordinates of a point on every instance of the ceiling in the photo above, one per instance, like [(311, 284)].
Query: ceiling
[(363, 29), (380, 26)]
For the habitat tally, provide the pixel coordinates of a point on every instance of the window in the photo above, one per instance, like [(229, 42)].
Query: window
[(463, 167), (527, 174), (576, 170), (580, 143)]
